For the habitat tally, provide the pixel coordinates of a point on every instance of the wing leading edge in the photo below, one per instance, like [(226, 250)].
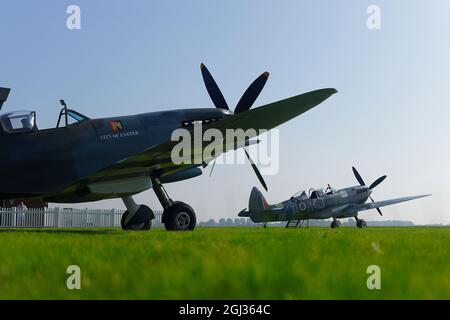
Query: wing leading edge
[(379, 204)]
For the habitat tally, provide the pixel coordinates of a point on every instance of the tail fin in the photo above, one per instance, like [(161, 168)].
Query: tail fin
[(257, 202)]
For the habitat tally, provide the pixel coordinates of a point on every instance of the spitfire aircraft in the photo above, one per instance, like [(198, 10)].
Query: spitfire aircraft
[(83, 159), (320, 204)]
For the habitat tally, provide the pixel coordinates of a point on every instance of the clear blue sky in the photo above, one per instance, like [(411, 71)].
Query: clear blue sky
[(390, 116)]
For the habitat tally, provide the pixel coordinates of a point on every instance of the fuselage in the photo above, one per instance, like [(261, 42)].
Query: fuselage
[(318, 205), (44, 162)]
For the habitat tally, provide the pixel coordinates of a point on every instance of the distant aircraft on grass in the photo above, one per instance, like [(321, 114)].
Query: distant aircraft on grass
[(320, 204)]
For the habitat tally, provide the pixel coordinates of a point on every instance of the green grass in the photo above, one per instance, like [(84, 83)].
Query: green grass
[(226, 263)]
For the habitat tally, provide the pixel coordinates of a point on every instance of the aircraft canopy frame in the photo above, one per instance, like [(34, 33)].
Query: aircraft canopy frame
[(18, 121)]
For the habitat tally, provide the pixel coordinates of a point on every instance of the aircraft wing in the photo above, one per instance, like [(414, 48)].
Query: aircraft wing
[(158, 158), (272, 115), (130, 173), (379, 204)]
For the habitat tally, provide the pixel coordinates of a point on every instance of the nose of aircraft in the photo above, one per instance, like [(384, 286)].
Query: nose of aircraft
[(369, 192)]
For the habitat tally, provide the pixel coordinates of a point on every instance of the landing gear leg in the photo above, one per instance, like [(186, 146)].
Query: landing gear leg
[(360, 223), (335, 224), (137, 217), (177, 215)]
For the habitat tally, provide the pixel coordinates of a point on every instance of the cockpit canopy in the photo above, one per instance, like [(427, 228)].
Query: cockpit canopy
[(25, 121), (313, 193), (68, 117), (18, 121), (300, 194), (316, 193)]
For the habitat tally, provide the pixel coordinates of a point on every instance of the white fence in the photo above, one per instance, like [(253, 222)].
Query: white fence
[(65, 218)]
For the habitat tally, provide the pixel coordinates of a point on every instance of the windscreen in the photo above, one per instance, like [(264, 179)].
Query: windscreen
[(19, 121)]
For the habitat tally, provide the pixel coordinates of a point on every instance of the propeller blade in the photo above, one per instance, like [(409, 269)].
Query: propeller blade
[(213, 89), (377, 182), (255, 168), (251, 94), (358, 176), (378, 209)]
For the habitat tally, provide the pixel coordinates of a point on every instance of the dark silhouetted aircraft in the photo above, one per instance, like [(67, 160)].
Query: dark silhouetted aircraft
[(84, 159)]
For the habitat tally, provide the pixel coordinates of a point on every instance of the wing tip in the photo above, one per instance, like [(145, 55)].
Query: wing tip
[(331, 90)]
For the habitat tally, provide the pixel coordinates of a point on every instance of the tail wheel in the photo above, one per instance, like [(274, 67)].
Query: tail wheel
[(179, 217), (141, 221)]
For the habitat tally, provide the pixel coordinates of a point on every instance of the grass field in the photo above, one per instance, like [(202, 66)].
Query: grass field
[(226, 263)]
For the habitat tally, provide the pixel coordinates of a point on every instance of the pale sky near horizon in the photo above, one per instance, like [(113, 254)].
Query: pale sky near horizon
[(390, 115)]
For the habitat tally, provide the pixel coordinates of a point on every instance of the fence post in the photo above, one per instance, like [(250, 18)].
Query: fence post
[(85, 217), (56, 217), (111, 217), (15, 217)]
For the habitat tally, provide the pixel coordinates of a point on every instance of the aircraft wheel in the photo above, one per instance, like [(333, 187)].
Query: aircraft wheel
[(142, 219), (335, 224), (179, 217), (361, 224)]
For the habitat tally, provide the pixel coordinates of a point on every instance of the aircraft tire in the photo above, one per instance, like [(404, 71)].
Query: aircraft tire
[(335, 224), (361, 224), (141, 221), (180, 217)]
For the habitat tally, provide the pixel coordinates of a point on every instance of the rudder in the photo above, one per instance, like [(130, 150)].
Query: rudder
[(257, 202)]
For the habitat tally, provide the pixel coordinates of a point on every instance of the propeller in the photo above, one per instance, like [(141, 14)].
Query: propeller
[(377, 182), (248, 98), (255, 168), (245, 103), (251, 94), (373, 185), (213, 89)]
